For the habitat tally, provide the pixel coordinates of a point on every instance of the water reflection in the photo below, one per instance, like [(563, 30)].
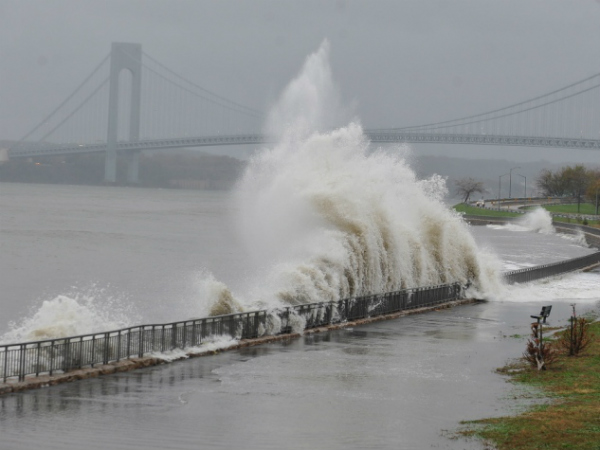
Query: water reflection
[(391, 384)]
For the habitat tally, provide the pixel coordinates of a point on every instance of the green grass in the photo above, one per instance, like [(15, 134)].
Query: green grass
[(474, 211), (591, 223), (585, 208), (570, 421)]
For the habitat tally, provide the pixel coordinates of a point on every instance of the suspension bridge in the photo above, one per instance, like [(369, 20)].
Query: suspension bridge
[(131, 102)]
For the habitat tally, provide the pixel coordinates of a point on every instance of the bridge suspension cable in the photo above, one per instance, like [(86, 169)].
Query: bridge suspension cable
[(176, 112), (548, 94), (565, 112), (77, 109), (234, 105), (64, 102), (174, 106), (502, 115)]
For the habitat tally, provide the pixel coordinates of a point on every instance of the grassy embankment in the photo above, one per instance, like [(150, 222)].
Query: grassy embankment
[(565, 209), (585, 208), (474, 211), (570, 421)]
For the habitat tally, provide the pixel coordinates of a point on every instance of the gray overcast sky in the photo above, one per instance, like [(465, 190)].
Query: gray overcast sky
[(401, 62)]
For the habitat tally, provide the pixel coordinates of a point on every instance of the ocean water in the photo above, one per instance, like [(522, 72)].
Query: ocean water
[(84, 258), (320, 215)]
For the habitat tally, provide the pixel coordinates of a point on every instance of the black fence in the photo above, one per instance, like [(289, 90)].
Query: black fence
[(549, 270), (70, 353)]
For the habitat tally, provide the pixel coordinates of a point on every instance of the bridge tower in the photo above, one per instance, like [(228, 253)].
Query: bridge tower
[(123, 56)]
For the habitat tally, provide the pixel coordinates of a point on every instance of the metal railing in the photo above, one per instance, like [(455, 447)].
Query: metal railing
[(75, 352), (549, 270), (71, 353)]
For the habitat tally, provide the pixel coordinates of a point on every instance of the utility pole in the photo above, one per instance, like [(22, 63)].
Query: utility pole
[(510, 180), (525, 183), (500, 185)]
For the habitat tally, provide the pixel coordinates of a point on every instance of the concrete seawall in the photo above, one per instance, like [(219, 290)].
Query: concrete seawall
[(592, 235)]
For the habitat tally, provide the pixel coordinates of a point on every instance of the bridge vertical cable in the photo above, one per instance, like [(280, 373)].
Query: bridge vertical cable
[(569, 112), (77, 120), (175, 107)]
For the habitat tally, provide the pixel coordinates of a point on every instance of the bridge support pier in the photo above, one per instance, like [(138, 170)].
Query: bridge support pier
[(110, 166), (133, 167), (123, 56)]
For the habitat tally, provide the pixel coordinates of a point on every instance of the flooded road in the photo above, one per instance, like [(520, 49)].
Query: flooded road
[(391, 384)]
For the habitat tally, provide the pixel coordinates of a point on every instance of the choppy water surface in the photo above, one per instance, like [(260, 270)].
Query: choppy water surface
[(316, 217), (394, 384), (389, 385)]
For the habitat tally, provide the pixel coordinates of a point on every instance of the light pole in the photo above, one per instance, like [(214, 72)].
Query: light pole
[(598, 188), (525, 183), (510, 180), (499, 184)]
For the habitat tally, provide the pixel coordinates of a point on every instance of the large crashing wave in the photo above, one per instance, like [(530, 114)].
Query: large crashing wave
[(335, 220)]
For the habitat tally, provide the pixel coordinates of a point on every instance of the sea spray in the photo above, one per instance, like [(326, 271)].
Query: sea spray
[(327, 218), (80, 311), (538, 220)]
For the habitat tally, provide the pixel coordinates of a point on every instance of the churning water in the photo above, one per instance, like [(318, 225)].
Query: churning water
[(327, 218), (319, 216)]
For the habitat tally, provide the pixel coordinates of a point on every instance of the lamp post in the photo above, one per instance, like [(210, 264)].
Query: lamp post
[(598, 188), (510, 181), (525, 183), (499, 184)]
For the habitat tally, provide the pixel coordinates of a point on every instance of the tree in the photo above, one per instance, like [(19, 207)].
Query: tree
[(574, 181), (577, 179), (593, 190), (551, 184), (467, 186)]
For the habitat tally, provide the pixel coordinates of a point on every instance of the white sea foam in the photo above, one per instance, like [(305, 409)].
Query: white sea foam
[(581, 286), (83, 311), (539, 220), (210, 344), (329, 219)]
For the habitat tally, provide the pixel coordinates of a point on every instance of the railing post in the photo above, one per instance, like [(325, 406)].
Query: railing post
[(81, 352), (5, 363), (37, 360), (232, 326), (22, 362), (52, 357), (141, 343), (66, 355), (162, 339), (119, 346), (203, 330), (106, 347)]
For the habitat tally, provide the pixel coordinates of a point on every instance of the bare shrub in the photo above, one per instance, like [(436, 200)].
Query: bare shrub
[(539, 353), (576, 338)]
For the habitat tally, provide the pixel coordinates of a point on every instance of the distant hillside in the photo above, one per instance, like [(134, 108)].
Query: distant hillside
[(176, 169), (193, 169)]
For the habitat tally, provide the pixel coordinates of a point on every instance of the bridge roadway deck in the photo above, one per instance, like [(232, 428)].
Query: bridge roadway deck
[(26, 150)]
